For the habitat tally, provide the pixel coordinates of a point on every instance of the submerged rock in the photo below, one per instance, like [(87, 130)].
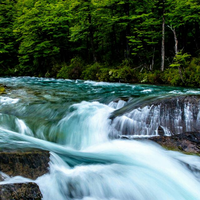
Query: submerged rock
[(2, 89), (20, 191), (185, 142), (29, 164)]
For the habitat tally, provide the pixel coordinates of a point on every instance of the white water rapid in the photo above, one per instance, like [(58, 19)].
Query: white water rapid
[(86, 162)]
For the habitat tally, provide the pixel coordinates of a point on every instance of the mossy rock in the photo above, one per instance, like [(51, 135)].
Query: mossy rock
[(187, 142), (2, 90)]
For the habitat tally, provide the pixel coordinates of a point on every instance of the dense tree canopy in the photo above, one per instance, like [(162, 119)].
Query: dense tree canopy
[(108, 40)]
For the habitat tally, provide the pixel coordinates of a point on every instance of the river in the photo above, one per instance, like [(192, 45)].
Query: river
[(89, 159)]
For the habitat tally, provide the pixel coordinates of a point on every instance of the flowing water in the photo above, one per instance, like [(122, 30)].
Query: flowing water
[(81, 123)]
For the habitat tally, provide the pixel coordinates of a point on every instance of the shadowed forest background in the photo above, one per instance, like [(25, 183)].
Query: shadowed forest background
[(134, 41)]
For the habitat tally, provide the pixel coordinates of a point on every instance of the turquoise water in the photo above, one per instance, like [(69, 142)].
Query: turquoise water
[(72, 120)]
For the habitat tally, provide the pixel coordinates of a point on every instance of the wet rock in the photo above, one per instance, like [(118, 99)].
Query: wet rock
[(185, 142), (29, 164), (152, 115), (161, 131), (1, 178), (20, 191)]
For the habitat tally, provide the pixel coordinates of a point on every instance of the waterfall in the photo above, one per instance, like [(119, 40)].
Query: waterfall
[(166, 118), (86, 124), (81, 122)]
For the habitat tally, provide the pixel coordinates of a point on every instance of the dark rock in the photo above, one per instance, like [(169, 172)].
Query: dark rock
[(20, 191), (185, 142), (161, 131), (31, 164), (1, 178)]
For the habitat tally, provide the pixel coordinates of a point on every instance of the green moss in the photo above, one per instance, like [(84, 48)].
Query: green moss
[(180, 150), (2, 90)]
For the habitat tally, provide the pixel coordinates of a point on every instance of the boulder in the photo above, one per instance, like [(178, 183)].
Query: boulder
[(20, 191), (29, 164), (1, 178)]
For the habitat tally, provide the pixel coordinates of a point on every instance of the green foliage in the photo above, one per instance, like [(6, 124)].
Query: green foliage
[(122, 73), (180, 60), (91, 72), (41, 29), (72, 71), (192, 73), (101, 72), (175, 74), (39, 38), (151, 77), (8, 44), (171, 76)]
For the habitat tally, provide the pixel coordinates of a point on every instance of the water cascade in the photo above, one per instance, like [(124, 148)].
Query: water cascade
[(152, 117), (81, 122)]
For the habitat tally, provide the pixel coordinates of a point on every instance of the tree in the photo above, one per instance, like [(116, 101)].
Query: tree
[(43, 29), (163, 39), (182, 14), (145, 32), (8, 44), (83, 28)]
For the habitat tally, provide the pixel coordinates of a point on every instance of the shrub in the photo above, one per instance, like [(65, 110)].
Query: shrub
[(72, 71), (149, 77), (171, 76), (192, 73), (91, 71)]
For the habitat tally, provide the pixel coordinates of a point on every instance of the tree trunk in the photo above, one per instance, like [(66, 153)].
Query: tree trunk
[(176, 50), (163, 40), (152, 61), (175, 40)]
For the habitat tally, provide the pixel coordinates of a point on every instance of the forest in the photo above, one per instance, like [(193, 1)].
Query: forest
[(131, 41)]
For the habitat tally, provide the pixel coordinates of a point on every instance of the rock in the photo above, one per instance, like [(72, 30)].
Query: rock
[(20, 191), (2, 90), (161, 131), (185, 142), (29, 164), (152, 115), (1, 178)]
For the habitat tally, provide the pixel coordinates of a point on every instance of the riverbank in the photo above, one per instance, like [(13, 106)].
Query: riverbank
[(180, 72)]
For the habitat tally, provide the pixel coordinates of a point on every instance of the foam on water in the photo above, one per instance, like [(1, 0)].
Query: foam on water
[(71, 119), (7, 100), (122, 170)]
